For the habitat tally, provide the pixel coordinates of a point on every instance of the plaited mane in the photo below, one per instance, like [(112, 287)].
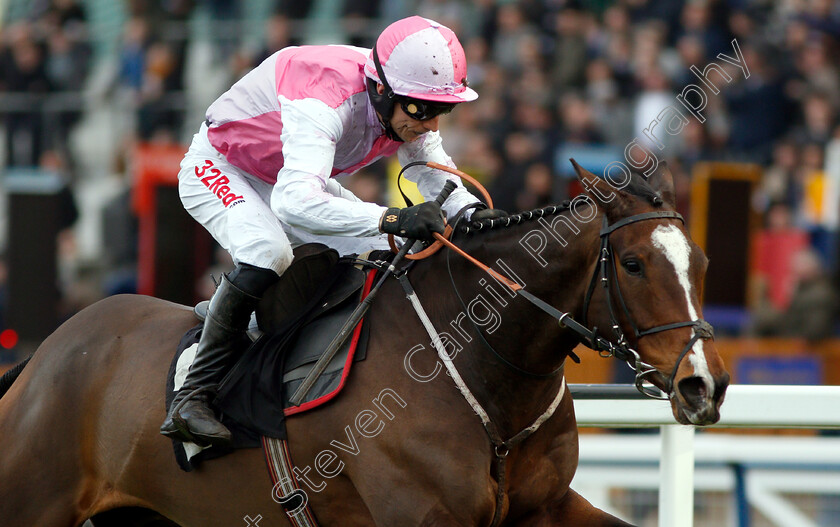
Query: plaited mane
[(638, 186)]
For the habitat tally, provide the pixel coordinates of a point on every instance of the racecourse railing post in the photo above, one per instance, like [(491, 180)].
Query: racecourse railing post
[(676, 470), (742, 504)]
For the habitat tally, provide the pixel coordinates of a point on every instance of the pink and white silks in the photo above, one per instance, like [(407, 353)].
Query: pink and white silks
[(259, 174)]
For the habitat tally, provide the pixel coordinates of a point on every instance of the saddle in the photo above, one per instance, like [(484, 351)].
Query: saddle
[(293, 325), (308, 280)]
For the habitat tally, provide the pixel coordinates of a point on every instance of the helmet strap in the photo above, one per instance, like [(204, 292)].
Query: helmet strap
[(379, 71), (383, 103)]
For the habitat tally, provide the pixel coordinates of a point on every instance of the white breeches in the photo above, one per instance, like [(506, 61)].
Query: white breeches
[(234, 207)]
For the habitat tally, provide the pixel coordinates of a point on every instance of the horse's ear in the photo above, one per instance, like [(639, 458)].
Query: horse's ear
[(609, 197), (663, 183)]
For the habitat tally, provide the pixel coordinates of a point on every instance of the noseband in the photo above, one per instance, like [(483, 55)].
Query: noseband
[(620, 348)]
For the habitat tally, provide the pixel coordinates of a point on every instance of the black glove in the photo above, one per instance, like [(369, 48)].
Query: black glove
[(418, 222), (488, 214)]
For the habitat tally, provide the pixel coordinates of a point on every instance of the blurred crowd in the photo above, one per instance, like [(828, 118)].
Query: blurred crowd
[(556, 78), (48, 54)]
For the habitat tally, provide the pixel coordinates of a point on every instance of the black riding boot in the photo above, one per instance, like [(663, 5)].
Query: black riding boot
[(227, 319)]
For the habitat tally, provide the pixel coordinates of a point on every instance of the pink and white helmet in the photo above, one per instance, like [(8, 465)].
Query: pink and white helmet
[(422, 59)]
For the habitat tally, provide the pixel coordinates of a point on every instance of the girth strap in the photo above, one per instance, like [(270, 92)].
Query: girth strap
[(285, 489)]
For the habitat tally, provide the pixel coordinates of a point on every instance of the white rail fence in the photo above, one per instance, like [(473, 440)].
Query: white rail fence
[(677, 449)]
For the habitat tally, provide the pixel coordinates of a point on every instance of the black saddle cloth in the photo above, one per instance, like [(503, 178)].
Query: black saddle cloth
[(257, 390), (299, 317)]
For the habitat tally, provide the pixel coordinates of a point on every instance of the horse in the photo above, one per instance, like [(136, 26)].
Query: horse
[(401, 446)]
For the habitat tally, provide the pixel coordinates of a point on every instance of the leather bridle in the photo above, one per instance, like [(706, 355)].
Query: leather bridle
[(605, 269)]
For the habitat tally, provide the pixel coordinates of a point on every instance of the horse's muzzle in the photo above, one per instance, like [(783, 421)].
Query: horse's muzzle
[(696, 403)]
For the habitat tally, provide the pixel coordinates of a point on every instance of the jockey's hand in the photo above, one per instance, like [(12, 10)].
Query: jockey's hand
[(418, 222), (488, 214)]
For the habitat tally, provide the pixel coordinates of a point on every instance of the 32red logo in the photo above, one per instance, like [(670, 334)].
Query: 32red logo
[(217, 183)]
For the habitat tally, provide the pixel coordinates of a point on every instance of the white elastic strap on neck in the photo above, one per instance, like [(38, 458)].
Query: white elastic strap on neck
[(462, 386)]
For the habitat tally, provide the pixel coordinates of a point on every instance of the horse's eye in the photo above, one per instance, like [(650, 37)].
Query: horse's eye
[(633, 267)]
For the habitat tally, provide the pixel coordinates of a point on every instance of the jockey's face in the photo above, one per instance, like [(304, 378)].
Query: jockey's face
[(407, 128), (410, 129)]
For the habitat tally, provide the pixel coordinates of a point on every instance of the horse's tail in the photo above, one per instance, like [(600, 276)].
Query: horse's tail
[(9, 377)]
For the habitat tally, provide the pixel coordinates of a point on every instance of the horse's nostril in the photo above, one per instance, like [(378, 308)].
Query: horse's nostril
[(693, 390), (721, 385)]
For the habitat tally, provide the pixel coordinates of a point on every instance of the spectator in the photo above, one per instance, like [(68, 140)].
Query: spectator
[(68, 60), (773, 250), (24, 73), (514, 31), (477, 51), (519, 154), (133, 54), (278, 35), (648, 50), (690, 52), (654, 96), (616, 25), (161, 77), (537, 189), (619, 54), (570, 48), (742, 25), (534, 120), (453, 14), (611, 113), (668, 12), (817, 120), (813, 305), (478, 158), (68, 55), (758, 108), (695, 144), (821, 15), (696, 18), (777, 180), (576, 122), (356, 16), (67, 67), (815, 72)]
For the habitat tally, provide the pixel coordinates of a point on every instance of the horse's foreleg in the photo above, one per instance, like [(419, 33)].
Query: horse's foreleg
[(571, 511)]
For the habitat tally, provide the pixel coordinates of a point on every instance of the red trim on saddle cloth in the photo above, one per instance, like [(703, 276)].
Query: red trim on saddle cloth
[(347, 363)]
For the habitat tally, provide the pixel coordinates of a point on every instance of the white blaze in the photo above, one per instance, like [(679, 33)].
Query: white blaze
[(671, 241)]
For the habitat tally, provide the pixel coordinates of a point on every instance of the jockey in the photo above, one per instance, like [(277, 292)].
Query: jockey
[(259, 174)]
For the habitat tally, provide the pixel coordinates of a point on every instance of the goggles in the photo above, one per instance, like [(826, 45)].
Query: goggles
[(420, 110)]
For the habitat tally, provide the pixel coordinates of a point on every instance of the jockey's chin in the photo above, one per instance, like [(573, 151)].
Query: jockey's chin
[(410, 135), (409, 129)]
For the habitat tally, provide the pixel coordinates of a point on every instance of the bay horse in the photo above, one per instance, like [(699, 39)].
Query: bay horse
[(400, 447)]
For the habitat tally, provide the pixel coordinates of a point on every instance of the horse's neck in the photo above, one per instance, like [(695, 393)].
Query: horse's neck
[(517, 331)]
